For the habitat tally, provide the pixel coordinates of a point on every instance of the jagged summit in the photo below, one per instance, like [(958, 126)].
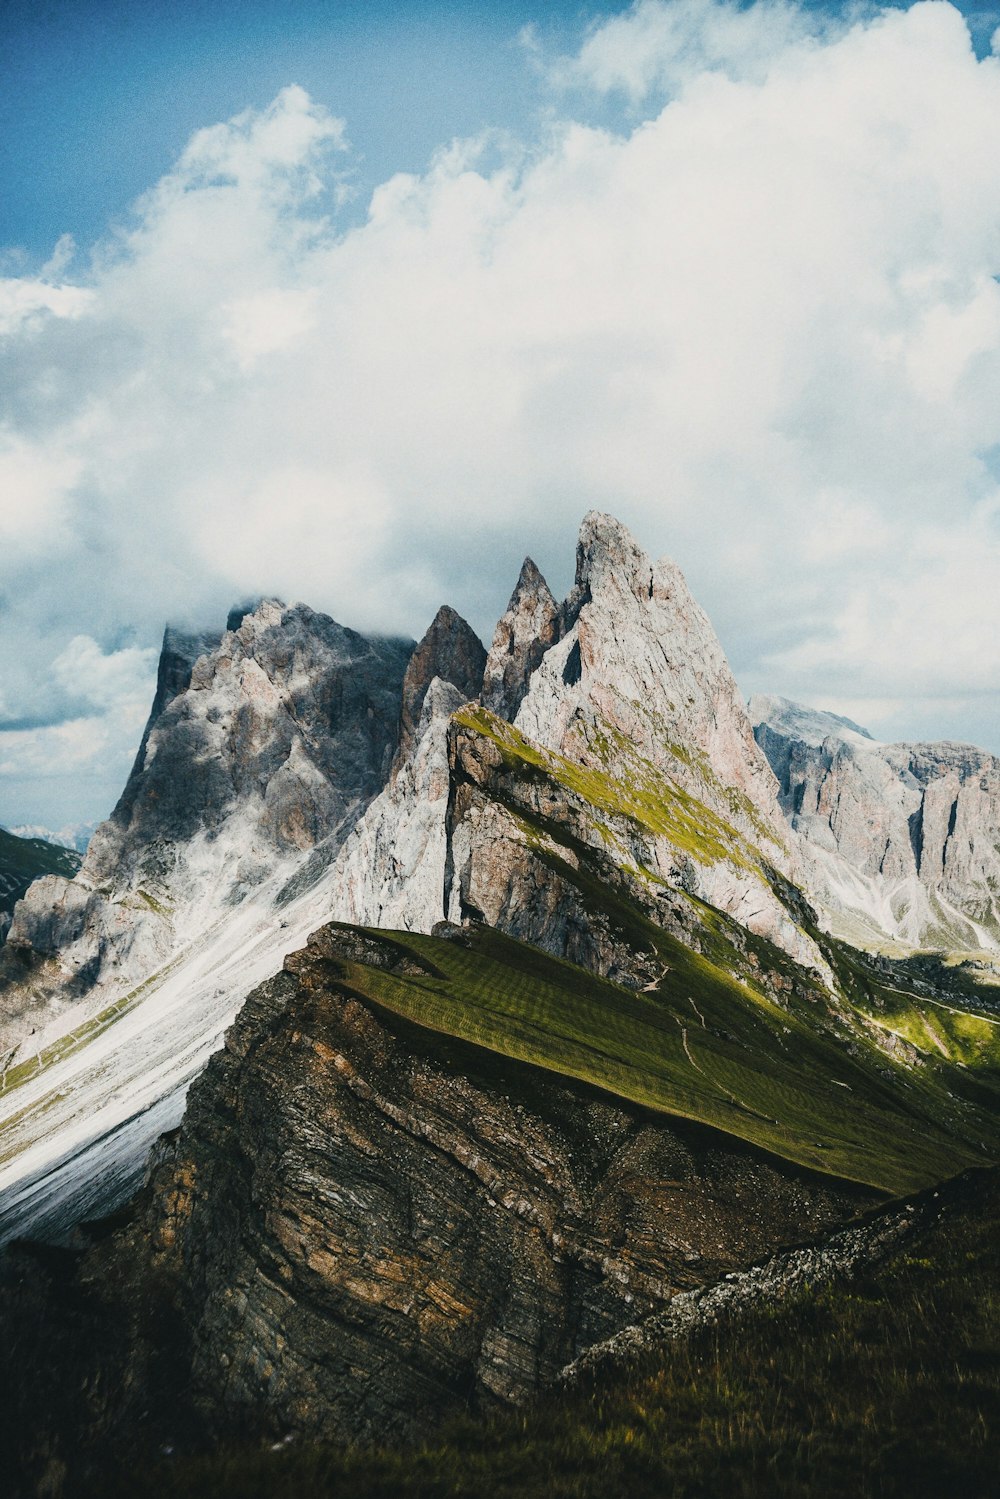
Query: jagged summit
[(524, 632), (598, 759), (451, 650), (639, 656), (809, 725), (506, 1018)]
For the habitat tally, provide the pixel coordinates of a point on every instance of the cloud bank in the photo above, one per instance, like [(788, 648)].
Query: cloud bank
[(759, 319)]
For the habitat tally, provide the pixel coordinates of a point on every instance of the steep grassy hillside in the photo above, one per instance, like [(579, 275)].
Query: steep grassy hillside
[(700, 1044), (24, 859), (883, 1073)]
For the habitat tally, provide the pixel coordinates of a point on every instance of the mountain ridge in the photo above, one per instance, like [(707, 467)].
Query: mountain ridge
[(474, 1004)]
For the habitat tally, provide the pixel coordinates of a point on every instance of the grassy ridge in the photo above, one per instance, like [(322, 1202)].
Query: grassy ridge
[(701, 1045), (634, 789), (820, 1079)]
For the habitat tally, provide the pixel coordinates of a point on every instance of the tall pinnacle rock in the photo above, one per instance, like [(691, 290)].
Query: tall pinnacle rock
[(391, 870), (630, 735), (529, 626), (451, 650), (637, 655)]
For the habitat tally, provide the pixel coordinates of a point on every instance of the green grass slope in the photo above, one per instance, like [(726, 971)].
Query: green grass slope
[(891, 1077), (701, 1045), (25, 859)]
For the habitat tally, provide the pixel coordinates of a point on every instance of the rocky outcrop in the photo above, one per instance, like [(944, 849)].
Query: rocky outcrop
[(295, 772), (369, 1224), (179, 651), (23, 860), (901, 841), (638, 667), (631, 712), (530, 624), (391, 870), (255, 752), (450, 650), (879, 1236)]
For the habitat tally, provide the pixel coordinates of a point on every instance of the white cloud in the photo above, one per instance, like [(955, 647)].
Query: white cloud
[(23, 301), (266, 322), (35, 496), (762, 325), (103, 680), (666, 45)]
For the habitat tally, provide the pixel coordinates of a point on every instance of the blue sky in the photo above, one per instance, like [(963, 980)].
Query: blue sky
[(98, 99), (358, 304)]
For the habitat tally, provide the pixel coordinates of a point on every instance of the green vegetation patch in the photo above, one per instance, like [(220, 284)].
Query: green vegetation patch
[(636, 791), (700, 1045), (938, 1029), (25, 859)]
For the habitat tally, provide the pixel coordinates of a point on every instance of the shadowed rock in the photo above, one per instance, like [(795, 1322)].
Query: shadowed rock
[(451, 650), (523, 634)]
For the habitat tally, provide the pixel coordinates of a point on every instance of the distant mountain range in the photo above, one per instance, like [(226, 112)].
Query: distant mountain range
[(498, 996), (75, 835), (25, 857)]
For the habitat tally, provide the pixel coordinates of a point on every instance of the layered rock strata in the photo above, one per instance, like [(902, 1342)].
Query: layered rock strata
[(369, 1224)]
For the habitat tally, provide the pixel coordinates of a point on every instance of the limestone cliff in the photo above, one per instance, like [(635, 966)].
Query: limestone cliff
[(901, 841), (621, 702), (391, 870), (260, 746)]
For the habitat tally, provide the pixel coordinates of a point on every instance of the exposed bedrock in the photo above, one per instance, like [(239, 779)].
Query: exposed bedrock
[(260, 746), (903, 837), (369, 1224)]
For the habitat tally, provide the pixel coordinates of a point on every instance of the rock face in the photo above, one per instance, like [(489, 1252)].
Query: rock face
[(369, 1224), (451, 651), (530, 625), (365, 1222), (595, 770), (391, 870), (902, 841), (23, 860), (622, 701), (296, 772), (256, 751), (622, 692), (638, 659)]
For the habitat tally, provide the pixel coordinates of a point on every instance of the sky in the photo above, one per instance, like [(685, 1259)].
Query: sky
[(358, 304)]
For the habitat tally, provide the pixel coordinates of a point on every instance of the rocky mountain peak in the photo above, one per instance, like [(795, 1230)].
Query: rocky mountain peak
[(809, 725), (899, 840), (608, 555), (259, 748), (524, 632), (451, 650), (638, 656)]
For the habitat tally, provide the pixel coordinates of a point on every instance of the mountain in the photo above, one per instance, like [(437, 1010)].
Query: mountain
[(264, 744), (74, 836), (27, 858), (901, 841), (484, 1001)]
